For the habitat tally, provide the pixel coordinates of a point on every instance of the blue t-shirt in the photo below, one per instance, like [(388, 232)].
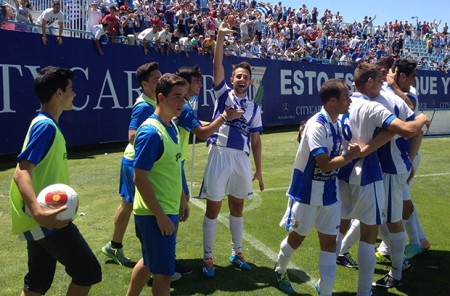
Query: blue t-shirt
[(149, 145), (41, 139)]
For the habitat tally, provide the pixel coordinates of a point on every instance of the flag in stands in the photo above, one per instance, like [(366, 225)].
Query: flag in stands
[(239, 4), (263, 8)]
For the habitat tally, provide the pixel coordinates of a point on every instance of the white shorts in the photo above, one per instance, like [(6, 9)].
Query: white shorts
[(407, 188), (393, 192), (227, 171), (300, 217), (365, 203)]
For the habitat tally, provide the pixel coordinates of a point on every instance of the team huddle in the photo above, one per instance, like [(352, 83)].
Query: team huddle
[(354, 164)]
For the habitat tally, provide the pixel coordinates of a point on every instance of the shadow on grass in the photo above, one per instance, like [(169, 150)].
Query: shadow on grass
[(127, 265), (228, 279), (428, 277)]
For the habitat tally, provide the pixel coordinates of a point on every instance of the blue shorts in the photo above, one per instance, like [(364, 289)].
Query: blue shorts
[(68, 247), (158, 251), (126, 187), (183, 180)]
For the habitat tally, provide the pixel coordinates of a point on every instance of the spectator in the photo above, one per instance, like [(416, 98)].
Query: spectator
[(99, 32), (94, 16), (113, 21), (150, 34), (24, 15), (128, 20), (164, 39), (48, 18), (186, 44)]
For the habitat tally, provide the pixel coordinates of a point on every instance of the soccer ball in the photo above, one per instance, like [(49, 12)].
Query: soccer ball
[(57, 195)]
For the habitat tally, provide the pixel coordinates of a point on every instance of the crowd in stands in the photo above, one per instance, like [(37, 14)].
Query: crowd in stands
[(284, 33)]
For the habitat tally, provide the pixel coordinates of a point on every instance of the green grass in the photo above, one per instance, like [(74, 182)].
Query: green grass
[(95, 176)]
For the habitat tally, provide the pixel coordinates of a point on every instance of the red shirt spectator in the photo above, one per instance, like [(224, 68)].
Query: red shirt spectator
[(113, 21)]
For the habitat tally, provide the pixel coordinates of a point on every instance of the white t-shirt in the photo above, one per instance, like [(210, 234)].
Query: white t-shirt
[(50, 17), (148, 34)]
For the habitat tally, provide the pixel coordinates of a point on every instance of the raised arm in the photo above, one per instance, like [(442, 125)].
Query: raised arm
[(225, 28)]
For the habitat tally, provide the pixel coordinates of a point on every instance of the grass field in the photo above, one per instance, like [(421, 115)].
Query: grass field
[(95, 176)]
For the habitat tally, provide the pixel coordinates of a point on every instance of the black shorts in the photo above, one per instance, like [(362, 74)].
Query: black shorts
[(68, 247)]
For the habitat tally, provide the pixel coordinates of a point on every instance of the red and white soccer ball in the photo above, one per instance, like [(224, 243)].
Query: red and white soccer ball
[(57, 195)]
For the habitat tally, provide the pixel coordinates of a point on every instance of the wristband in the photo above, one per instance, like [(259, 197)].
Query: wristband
[(223, 117)]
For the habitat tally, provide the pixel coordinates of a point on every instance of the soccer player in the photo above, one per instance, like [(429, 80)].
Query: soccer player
[(396, 166), (313, 201), (228, 169), (188, 121), (417, 238), (159, 203), (42, 162), (147, 76), (360, 181)]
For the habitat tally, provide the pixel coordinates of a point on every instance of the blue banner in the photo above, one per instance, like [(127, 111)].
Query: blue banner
[(106, 87)]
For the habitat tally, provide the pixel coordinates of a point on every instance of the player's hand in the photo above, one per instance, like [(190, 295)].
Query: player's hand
[(184, 212), (353, 151), (258, 176), (232, 114), (391, 77), (47, 218), (165, 225), (225, 26), (412, 173), (425, 118)]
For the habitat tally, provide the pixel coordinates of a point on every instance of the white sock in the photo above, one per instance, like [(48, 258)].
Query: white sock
[(397, 244), (420, 231), (366, 267), (284, 256), (339, 239), (411, 230), (352, 236), (209, 234), (237, 231), (327, 270), (383, 233)]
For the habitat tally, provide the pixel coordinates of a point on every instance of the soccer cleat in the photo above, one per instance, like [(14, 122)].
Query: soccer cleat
[(239, 261), (347, 260), (176, 276), (411, 251), (426, 245), (407, 266), (316, 285), (383, 257), (283, 282), (117, 255), (208, 268), (387, 282), (180, 268)]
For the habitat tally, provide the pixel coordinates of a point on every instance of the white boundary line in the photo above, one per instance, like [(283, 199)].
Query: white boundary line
[(295, 270)]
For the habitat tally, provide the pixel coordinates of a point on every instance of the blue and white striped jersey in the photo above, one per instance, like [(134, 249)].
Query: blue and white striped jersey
[(393, 155), (235, 134), (359, 126), (309, 184)]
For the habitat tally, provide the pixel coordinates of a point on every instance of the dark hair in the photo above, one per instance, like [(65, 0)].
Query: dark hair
[(145, 70), (331, 89), (243, 65), (404, 65), (49, 80), (386, 61), (189, 72), (167, 82), (363, 72)]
